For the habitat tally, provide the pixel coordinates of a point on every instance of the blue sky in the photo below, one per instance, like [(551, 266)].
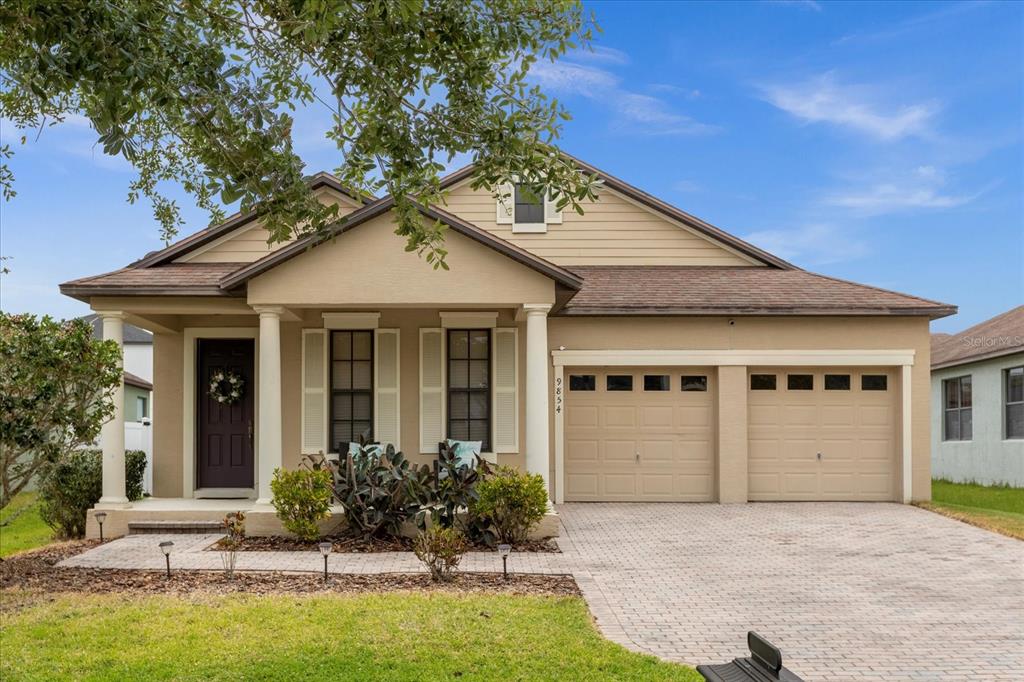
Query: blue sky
[(882, 143)]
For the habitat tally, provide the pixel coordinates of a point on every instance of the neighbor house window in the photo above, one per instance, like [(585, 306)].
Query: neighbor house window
[(874, 382), (469, 385), (693, 383), (351, 388), (800, 382), (619, 382), (1014, 399), (957, 416), (837, 382), (140, 408), (582, 382), (529, 204), (762, 382), (656, 382)]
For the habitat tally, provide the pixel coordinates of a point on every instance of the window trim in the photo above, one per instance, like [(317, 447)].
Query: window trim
[(703, 386), (789, 381), (534, 227), (774, 382), (666, 377), (488, 390), (593, 388), (1007, 403), (958, 410), (333, 392), (608, 389), (848, 377)]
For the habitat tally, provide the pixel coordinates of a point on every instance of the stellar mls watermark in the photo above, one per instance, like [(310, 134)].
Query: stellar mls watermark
[(993, 342)]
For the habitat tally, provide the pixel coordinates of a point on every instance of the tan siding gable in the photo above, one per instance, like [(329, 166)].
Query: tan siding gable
[(249, 242), (613, 231)]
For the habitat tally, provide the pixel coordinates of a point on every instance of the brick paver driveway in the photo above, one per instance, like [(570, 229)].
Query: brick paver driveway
[(847, 590)]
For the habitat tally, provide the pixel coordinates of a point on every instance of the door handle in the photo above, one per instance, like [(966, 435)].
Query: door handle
[(250, 434), (819, 456), (637, 456)]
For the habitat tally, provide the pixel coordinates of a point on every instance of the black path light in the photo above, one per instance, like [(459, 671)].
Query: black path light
[(100, 517), (503, 552), (165, 547), (325, 549)]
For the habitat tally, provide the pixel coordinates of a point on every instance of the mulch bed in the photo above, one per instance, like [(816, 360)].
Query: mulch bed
[(344, 543), (34, 576)]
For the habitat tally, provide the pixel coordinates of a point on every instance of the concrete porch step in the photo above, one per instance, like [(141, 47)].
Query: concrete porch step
[(178, 527)]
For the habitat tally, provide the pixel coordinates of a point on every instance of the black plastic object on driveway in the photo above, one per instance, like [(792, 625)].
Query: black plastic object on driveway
[(763, 665)]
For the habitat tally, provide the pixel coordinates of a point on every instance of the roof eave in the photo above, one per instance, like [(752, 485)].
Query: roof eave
[(84, 293), (594, 311)]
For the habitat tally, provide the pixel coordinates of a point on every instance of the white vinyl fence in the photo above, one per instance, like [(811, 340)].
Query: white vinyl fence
[(139, 436)]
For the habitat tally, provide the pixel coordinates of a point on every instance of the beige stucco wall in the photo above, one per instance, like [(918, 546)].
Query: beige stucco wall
[(614, 230), (249, 243), (761, 333), (168, 386), (369, 266)]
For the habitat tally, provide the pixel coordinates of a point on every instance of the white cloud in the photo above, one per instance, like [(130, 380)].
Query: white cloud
[(635, 112), (823, 100), (686, 186), (814, 244), (688, 93), (802, 4), (600, 53), (922, 188)]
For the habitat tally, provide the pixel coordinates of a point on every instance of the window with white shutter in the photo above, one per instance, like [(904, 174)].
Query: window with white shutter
[(387, 421), (314, 391), (506, 399), (432, 399)]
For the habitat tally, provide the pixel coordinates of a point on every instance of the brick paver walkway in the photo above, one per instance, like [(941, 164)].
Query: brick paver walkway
[(848, 591)]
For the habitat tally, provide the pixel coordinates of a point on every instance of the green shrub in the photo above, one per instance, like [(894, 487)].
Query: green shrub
[(71, 486), (301, 499), (375, 489), (445, 494), (512, 503), (441, 549)]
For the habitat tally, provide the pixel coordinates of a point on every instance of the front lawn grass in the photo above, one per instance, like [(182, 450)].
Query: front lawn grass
[(395, 636), (996, 508), (27, 530)]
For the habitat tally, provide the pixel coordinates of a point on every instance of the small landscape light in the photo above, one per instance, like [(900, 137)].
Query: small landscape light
[(100, 516), (165, 547), (503, 552), (325, 549)]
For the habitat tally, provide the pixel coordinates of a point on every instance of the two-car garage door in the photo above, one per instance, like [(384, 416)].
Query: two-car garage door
[(649, 434)]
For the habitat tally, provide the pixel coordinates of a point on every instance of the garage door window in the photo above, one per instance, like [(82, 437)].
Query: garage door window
[(1015, 402), (874, 382), (957, 412), (693, 383), (762, 382), (619, 382), (469, 385), (582, 382), (837, 382), (800, 382), (656, 382)]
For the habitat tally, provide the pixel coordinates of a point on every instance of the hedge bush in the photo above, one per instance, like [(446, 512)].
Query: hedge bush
[(71, 486), (441, 550), (512, 502), (301, 499)]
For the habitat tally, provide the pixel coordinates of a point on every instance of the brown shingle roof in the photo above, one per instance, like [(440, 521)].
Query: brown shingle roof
[(688, 290), (137, 381), (185, 279), (995, 337)]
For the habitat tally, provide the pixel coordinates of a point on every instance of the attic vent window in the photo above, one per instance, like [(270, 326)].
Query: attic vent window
[(527, 207), (529, 204)]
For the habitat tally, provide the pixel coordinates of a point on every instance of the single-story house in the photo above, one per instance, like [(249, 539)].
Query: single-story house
[(978, 402), (632, 353)]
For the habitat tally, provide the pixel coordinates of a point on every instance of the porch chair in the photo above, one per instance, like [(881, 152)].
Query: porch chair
[(763, 665)]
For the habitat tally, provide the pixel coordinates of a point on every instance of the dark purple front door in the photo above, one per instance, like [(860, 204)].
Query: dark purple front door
[(225, 438)]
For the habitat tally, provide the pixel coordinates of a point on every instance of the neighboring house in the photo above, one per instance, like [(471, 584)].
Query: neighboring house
[(978, 402), (137, 345), (633, 353)]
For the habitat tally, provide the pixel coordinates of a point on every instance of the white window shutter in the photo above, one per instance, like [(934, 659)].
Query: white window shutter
[(386, 372), (314, 391), (552, 216), (505, 204), (432, 402), (506, 397)]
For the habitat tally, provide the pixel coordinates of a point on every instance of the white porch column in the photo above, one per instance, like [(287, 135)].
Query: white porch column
[(112, 433), (537, 436), (268, 436)]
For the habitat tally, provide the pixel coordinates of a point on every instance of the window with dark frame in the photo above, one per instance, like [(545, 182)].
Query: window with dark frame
[(693, 383), (469, 385), (582, 382), (957, 414), (351, 388), (529, 204), (874, 382), (837, 382), (800, 382), (656, 382), (1013, 398), (762, 382), (619, 382)]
